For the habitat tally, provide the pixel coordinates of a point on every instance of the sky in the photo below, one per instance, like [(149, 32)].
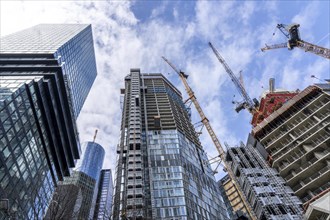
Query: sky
[(135, 34)]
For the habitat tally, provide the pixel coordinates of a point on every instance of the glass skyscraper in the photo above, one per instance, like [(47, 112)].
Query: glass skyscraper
[(70, 44), (39, 103), (104, 197), (91, 160), (162, 169), (87, 176)]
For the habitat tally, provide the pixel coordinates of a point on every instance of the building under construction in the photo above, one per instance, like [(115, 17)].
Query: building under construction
[(296, 139), (162, 170), (264, 189), (271, 100), (231, 197)]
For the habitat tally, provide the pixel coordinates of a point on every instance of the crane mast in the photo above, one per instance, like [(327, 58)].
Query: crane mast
[(248, 103), (212, 134), (294, 40)]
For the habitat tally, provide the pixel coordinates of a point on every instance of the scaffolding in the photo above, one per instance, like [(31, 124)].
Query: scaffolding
[(265, 190)]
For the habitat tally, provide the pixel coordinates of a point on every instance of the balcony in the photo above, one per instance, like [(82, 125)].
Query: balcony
[(305, 166), (134, 182), (137, 202), (316, 139), (311, 179), (137, 192), (134, 152), (134, 166), (295, 120), (135, 159), (316, 192), (134, 174), (303, 135), (301, 168)]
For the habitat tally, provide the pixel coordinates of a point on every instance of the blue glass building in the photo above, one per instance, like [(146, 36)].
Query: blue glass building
[(87, 176), (91, 160), (39, 103), (104, 196)]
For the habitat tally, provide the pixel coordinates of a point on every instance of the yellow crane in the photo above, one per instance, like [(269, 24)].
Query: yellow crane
[(212, 134), (292, 33)]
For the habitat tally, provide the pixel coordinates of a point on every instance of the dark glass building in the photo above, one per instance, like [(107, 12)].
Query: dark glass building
[(39, 141), (65, 204), (87, 176), (162, 171), (104, 196), (71, 45)]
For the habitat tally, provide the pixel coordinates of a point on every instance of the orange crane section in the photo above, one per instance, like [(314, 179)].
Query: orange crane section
[(212, 134)]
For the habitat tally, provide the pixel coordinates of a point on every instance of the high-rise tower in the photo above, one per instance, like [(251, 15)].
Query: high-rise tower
[(70, 45), (162, 171), (104, 196), (87, 176), (46, 73)]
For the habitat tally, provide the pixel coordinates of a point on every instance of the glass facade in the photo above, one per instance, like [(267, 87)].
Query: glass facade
[(46, 73), (104, 196), (180, 186), (162, 171), (91, 160), (25, 177), (87, 176), (70, 44)]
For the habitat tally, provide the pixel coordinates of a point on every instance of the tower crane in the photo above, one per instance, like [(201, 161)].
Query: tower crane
[(247, 103), (292, 33), (212, 134)]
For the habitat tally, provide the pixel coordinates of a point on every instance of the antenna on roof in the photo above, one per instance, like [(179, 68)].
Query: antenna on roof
[(95, 135)]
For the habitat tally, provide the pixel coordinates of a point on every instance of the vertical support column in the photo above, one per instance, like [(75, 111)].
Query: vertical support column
[(134, 172)]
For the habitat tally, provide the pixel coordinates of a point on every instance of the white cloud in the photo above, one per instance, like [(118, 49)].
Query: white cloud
[(158, 11), (211, 19), (307, 19), (123, 42), (246, 10)]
